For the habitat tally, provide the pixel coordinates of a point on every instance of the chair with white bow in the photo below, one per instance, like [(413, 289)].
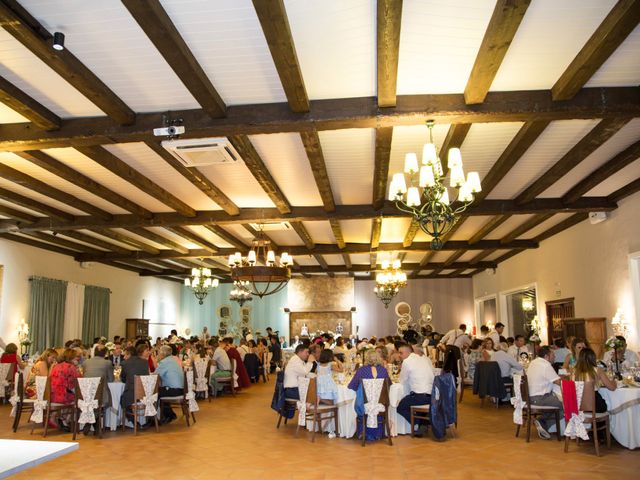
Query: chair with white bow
[(375, 393), (310, 408), (186, 401), (586, 419), (6, 379), (19, 404), (145, 400), (202, 369), (43, 404), (89, 407)]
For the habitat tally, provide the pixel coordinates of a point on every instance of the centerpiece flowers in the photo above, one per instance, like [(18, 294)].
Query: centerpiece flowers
[(614, 343)]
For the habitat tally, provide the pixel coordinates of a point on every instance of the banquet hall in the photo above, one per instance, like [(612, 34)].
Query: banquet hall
[(221, 218)]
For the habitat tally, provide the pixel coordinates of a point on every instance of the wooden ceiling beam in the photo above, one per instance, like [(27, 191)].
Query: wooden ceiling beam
[(602, 132), (123, 170), (311, 142), (159, 28), (488, 227), (600, 174), (38, 244), (455, 136), (525, 227), (18, 215), (412, 231), (337, 232), (25, 202), (133, 242), (197, 178), (97, 242), (324, 265), (193, 238), (26, 106), (483, 254), (614, 29), (334, 114), (389, 21), (347, 261), (61, 242), (563, 225), (275, 26), (500, 32), (303, 234), (627, 190), (226, 236), (508, 255), (376, 229), (159, 239), (384, 135), (28, 31)]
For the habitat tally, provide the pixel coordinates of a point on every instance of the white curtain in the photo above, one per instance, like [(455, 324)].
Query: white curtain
[(73, 312)]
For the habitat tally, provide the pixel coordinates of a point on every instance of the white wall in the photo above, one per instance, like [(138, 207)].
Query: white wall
[(452, 301), (128, 289), (588, 262)]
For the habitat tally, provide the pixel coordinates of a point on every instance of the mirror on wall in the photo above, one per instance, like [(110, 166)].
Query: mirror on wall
[(521, 308)]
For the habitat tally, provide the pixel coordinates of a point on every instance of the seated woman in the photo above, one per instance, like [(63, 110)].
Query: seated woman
[(586, 369), (372, 368), (10, 355), (571, 360), (63, 379), (41, 368), (487, 349), (326, 388), (475, 355)]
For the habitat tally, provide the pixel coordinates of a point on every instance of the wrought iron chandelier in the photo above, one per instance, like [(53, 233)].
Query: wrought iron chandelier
[(432, 208), (201, 282), (240, 293), (265, 279), (389, 282)]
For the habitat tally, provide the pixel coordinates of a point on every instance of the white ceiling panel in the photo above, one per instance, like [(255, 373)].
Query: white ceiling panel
[(127, 233), (556, 140), (470, 226), (151, 165), (625, 137), (622, 68), (336, 46), (548, 39), (495, 255), (439, 42), (88, 244), (27, 192), (209, 236), (106, 38), (510, 224), (285, 157), (21, 208), (173, 237), (441, 256), (305, 260), (91, 169), (484, 144), (360, 259), (22, 235), (546, 225), (349, 155), (8, 115), (467, 256), (446, 271), (54, 181), (226, 38), (286, 237), (320, 232), (413, 257), (394, 229), (618, 180), (27, 72), (334, 259), (356, 231), (106, 238), (422, 237), (239, 231)]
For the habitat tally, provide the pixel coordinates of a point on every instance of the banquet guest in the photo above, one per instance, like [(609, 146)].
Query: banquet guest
[(457, 336), (223, 365), (541, 379), (241, 371), (276, 352), (283, 342), (484, 332), (99, 366), (298, 366), (518, 348), (339, 351), (117, 357), (261, 348), (488, 349), (172, 381), (136, 364), (508, 365), (41, 368), (63, 381), (150, 359), (314, 355), (327, 389), (560, 352), (296, 342), (10, 355), (243, 349), (570, 360), (175, 354), (587, 369), (475, 356), (127, 353), (384, 355), (205, 335), (626, 357), (416, 376), (497, 333)]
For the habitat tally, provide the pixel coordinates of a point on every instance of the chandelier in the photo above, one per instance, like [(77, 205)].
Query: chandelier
[(432, 208), (240, 293), (258, 272), (201, 282), (389, 282)]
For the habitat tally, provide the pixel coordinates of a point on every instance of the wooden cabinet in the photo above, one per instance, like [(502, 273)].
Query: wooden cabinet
[(137, 327), (593, 329)]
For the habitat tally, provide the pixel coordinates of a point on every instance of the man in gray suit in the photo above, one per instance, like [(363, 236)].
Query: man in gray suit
[(137, 364), (99, 366)]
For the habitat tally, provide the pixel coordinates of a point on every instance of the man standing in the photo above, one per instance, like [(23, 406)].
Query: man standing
[(276, 352), (541, 379), (172, 380), (416, 376), (495, 335), (518, 348), (457, 336), (297, 367)]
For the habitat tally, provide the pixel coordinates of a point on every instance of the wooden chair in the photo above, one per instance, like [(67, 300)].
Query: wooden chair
[(229, 382), (529, 412), (419, 412), (182, 400), (7, 378), (593, 422), (99, 412), (206, 380), (288, 402), (137, 408), (23, 405), (487, 382), (317, 412), (384, 400), (460, 380), (56, 408)]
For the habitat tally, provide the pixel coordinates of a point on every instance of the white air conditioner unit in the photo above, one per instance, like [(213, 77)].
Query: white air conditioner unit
[(201, 152), (272, 226), (597, 217)]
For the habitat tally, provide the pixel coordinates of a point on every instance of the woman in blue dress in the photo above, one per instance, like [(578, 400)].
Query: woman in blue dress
[(373, 368)]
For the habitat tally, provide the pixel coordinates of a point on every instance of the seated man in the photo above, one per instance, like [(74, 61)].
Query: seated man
[(541, 379), (136, 364), (518, 349), (222, 363), (172, 381), (508, 365), (297, 367), (626, 357), (99, 366), (416, 376)]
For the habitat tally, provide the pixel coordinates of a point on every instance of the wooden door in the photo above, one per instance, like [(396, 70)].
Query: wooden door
[(557, 311)]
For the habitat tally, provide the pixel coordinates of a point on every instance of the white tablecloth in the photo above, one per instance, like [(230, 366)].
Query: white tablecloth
[(624, 410)]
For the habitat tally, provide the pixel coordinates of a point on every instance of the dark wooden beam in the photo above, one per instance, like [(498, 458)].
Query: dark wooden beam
[(488, 227), (61, 170), (35, 243), (563, 225), (197, 178), (132, 242), (155, 22), (17, 214), (26, 106), (412, 231), (525, 137), (61, 242), (334, 114), (311, 142), (159, 239), (376, 229), (384, 136), (275, 26), (508, 255), (347, 260), (503, 26), (525, 227), (120, 168), (260, 171), (34, 205), (97, 242), (337, 232), (373, 260), (483, 254), (605, 171), (602, 132), (455, 136), (43, 188), (389, 20), (226, 236), (324, 265), (304, 235), (456, 273), (614, 29), (423, 263), (476, 271), (455, 256), (28, 31), (624, 192), (193, 238)]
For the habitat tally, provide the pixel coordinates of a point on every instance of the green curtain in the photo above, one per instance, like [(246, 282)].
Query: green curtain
[(46, 312), (95, 317)]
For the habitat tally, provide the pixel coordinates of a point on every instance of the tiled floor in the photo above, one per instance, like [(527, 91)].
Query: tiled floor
[(236, 438)]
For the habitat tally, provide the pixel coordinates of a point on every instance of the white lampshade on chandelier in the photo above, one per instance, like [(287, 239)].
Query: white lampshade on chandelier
[(240, 293), (260, 272), (426, 196), (389, 281), (201, 282)]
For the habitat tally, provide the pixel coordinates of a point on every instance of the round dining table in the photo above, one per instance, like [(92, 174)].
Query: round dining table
[(623, 405)]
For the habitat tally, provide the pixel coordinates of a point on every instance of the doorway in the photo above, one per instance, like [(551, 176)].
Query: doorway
[(557, 311)]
